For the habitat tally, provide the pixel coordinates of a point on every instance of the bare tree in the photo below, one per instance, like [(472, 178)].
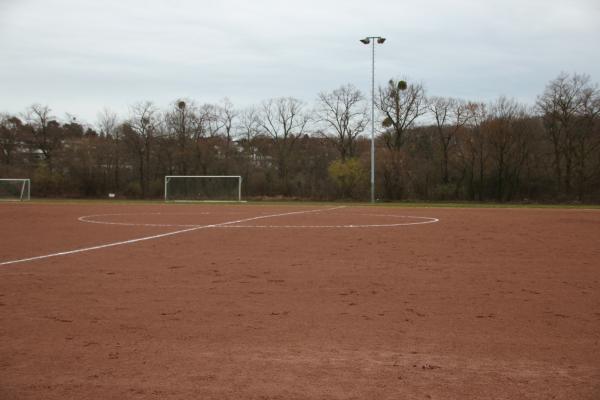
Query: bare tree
[(249, 124), (284, 120), (46, 137), (344, 113), (473, 149), (226, 115), (248, 128), (208, 116), (11, 129), (401, 105), (184, 125), (587, 137), (108, 121), (450, 116), (567, 106), (507, 140), (108, 125), (140, 133)]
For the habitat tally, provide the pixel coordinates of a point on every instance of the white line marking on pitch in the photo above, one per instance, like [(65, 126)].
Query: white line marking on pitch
[(195, 228), (91, 219), (88, 219), (427, 220), (354, 226)]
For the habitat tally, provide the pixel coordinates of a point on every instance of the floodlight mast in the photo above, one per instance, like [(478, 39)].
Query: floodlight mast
[(372, 40)]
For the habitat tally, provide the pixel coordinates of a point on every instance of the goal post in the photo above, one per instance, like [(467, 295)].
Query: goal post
[(15, 189), (182, 188)]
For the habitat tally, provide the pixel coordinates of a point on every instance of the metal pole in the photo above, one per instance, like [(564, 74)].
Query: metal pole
[(368, 40), (166, 180), (373, 124)]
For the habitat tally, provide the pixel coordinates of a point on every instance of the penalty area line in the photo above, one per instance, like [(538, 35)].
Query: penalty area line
[(162, 235)]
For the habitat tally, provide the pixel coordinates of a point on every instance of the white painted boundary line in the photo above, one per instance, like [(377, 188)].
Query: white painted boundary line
[(195, 228), (424, 220), (88, 219), (428, 220)]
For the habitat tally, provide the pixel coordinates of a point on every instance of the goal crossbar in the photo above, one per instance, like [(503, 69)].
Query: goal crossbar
[(198, 190)]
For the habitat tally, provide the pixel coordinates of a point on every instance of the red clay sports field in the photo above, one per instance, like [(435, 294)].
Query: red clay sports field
[(120, 301)]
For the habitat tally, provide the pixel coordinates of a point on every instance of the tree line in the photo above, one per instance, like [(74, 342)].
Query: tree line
[(427, 147)]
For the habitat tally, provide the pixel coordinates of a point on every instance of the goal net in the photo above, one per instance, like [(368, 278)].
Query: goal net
[(203, 188), (15, 189)]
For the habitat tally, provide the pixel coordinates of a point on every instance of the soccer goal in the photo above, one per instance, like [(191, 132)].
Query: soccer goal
[(15, 189), (203, 188)]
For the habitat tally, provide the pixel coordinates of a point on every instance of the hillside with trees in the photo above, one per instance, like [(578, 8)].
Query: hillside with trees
[(427, 147)]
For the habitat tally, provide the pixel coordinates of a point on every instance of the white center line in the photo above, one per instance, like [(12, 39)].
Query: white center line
[(195, 228)]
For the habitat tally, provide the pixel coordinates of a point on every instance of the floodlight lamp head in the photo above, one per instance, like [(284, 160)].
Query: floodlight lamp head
[(365, 40), (380, 40)]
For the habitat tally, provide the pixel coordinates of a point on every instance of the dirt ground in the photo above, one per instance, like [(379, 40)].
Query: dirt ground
[(280, 302)]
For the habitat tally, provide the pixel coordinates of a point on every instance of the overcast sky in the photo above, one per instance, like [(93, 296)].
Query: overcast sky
[(79, 56)]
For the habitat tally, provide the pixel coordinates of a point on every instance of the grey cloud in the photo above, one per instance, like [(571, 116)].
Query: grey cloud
[(80, 56)]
